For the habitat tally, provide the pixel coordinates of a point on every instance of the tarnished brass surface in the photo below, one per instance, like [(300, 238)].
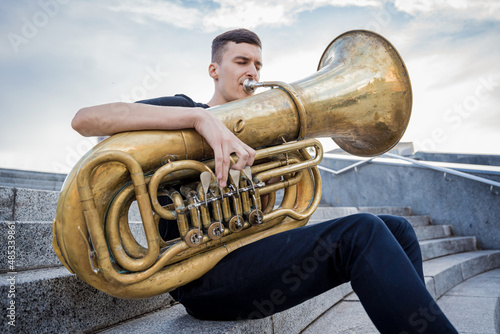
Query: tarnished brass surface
[(360, 96), (369, 82)]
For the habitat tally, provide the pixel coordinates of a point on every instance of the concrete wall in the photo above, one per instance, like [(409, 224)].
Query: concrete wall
[(469, 206)]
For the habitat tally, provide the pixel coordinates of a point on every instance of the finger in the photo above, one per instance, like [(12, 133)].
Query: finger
[(246, 156), (250, 152), (251, 155), (224, 168), (219, 162), (243, 156)]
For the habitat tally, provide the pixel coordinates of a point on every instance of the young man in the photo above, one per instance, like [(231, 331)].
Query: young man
[(379, 255)]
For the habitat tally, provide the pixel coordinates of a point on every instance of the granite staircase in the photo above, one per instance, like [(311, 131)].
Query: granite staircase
[(48, 299)]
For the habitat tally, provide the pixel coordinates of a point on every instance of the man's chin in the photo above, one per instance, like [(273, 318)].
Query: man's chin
[(245, 94)]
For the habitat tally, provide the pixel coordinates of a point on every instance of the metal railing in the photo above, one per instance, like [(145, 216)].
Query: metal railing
[(343, 170), (445, 170)]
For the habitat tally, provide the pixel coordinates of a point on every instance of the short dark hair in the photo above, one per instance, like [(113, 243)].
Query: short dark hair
[(237, 36)]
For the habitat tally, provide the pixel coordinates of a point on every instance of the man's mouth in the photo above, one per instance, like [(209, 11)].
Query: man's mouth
[(243, 88)]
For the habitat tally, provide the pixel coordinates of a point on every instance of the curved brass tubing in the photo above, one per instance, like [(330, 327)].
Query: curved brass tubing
[(93, 219)]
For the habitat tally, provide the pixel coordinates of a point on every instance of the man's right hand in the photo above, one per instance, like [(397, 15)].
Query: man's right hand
[(224, 143)]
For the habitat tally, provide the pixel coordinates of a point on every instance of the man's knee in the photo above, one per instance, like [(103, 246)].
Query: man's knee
[(359, 225), (398, 225), (395, 221), (366, 221)]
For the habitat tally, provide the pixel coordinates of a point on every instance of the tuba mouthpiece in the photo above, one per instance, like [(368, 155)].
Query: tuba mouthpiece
[(249, 85)]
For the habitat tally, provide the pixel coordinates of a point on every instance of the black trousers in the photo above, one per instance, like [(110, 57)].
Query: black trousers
[(379, 255)]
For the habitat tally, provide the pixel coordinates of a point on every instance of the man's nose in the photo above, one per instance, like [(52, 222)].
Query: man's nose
[(252, 72)]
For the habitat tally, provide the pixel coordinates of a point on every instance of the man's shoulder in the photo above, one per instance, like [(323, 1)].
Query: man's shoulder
[(178, 100)]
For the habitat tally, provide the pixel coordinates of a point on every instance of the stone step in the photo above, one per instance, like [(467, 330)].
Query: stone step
[(65, 304), (423, 232), (294, 320), (324, 213), (33, 244), (415, 221), (420, 220), (348, 316), (345, 317), (432, 247), (54, 301), (433, 232), (444, 273), (441, 247), (387, 210), (176, 320), (332, 212), (473, 306), (31, 179), (18, 204)]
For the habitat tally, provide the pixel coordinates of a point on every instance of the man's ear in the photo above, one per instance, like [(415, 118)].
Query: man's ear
[(213, 70)]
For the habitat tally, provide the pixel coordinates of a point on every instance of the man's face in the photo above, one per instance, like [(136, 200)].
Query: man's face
[(239, 62)]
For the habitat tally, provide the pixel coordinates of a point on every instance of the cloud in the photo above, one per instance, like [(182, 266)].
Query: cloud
[(96, 52), (223, 14), (163, 11), (252, 14), (479, 10)]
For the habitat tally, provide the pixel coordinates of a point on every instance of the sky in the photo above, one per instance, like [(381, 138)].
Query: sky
[(57, 56)]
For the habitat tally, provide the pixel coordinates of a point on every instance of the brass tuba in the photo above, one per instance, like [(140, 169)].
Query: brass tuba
[(360, 96)]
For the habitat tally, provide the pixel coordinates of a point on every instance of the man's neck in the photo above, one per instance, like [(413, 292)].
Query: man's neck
[(216, 100)]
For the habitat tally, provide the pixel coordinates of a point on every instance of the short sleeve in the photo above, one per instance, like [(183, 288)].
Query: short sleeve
[(179, 100)]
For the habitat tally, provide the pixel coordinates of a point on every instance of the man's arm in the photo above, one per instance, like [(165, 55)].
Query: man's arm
[(111, 118)]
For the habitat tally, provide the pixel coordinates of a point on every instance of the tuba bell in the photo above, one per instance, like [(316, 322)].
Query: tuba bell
[(360, 96)]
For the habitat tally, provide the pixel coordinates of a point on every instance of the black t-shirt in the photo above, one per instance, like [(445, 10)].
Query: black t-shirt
[(179, 100), (168, 228)]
